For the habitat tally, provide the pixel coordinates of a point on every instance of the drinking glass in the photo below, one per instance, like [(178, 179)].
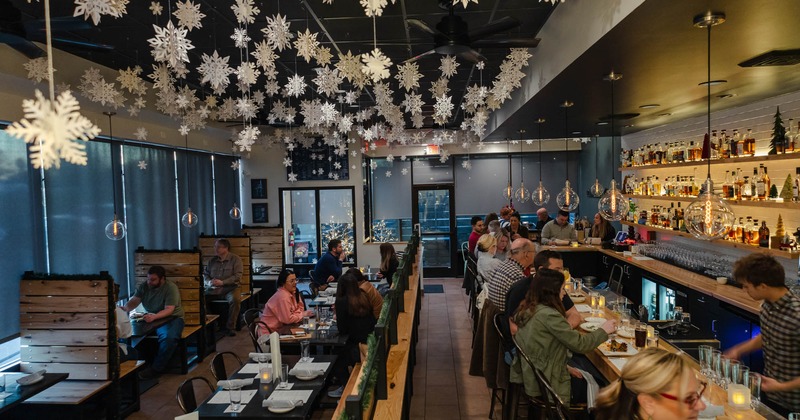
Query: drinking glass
[(236, 397), (754, 383), (640, 335), (652, 341), (678, 311), (594, 298), (284, 375), (744, 376), (704, 354), (734, 371), (794, 416), (305, 350), (725, 372), (566, 274), (716, 366)]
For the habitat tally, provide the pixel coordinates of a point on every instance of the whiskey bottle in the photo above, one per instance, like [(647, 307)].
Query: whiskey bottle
[(740, 144), (681, 222), (727, 186), (796, 185), (789, 139), (739, 227), (754, 236), (758, 185), (746, 231), (739, 183), (747, 189), (750, 143), (767, 181), (763, 235), (735, 146)]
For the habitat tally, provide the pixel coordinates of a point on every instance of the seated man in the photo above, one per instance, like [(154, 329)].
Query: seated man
[(329, 267), (559, 231), (161, 299), (225, 269), (542, 218)]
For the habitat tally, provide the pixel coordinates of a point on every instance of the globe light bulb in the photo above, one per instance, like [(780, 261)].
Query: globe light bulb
[(522, 194), (708, 217), (508, 192), (115, 230), (189, 218), (540, 195), (612, 206), (235, 213), (597, 189), (567, 199)]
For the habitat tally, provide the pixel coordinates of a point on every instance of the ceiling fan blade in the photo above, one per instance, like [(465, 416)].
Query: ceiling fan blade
[(506, 43), (472, 56), (28, 48), (492, 28), (415, 58), (421, 26)]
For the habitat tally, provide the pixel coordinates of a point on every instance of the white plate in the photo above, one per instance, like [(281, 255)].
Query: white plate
[(625, 332), (578, 299), (280, 410), (595, 320), (306, 378), (583, 308), (604, 349), (30, 379), (590, 326)]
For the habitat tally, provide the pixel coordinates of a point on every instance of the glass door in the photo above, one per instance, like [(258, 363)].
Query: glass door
[(433, 210)]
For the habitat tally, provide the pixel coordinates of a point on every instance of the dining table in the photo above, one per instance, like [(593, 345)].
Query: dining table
[(16, 394), (253, 395)]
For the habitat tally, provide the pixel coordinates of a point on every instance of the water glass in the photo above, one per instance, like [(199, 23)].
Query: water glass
[(734, 371), (704, 354), (794, 416), (652, 340), (716, 366), (284, 375), (726, 372), (744, 376), (754, 383), (236, 397), (305, 350)]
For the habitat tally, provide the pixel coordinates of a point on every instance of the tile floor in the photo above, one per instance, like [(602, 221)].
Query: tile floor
[(443, 388)]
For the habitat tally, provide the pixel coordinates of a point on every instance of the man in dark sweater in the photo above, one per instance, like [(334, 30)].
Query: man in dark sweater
[(329, 267)]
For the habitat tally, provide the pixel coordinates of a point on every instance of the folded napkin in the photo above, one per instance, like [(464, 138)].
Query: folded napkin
[(281, 403), (591, 387), (260, 357), (306, 372), (235, 383), (711, 411)]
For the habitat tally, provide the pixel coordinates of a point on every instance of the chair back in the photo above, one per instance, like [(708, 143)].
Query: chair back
[(254, 329), (186, 397), (218, 365), (250, 315), (311, 276), (550, 400)]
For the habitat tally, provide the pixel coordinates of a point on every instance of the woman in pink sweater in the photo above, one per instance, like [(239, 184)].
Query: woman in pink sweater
[(285, 307)]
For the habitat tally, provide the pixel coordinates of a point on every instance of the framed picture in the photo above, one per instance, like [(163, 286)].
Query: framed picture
[(260, 214), (258, 188)]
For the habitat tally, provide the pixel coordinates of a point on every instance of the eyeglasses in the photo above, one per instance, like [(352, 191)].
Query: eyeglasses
[(692, 398)]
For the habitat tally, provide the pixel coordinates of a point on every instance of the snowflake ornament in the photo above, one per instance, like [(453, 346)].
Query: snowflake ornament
[(287, 162), (188, 15), (240, 37), (466, 165), (156, 8), (376, 65), (349, 66), (95, 8), (413, 103), (215, 71), (323, 56), (404, 171), (142, 165), (131, 80), (439, 87), (306, 45), (444, 155), (448, 66), (265, 56), (170, 45), (52, 128), (292, 177), (295, 86), (390, 158), (37, 69), (328, 80), (374, 7), (247, 74), (443, 108), (388, 174), (408, 75), (464, 2), (475, 96), (141, 133), (247, 138), (277, 32), (184, 129), (245, 11)]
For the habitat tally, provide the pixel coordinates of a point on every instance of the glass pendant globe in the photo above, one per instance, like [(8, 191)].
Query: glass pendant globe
[(612, 205), (540, 195), (522, 194), (708, 217), (508, 192), (235, 213), (597, 189), (567, 199), (115, 230), (189, 218)]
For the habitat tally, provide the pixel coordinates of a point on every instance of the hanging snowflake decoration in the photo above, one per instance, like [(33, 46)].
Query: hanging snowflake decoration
[(52, 129), (475, 97), (95, 8), (439, 87), (292, 177), (323, 55), (388, 174), (349, 66), (94, 86), (184, 129), (277, 32), (240, 37), (37, 69), (404, 171), (413, 103), (247, 138), (131, 80), (272, 88), (235, 165), (443, 155), (188, 15), (329, 114), (246, 108), (466, 164), (170, 45), (247, 74), (328, 80), (306, 45), (265, 56), (287, 162), (215, 71), (350, 97), (448, 66), (443, 109), (465, 2), (376, 65), (374, 7), (408, 75), (296, 86), (245, 11), (141, 133), (156, 8)]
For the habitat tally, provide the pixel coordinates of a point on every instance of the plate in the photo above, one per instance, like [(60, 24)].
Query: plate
[(625, 332), (630, 351), (595, 320), (280, 410), (578, 299), (30, 379), (306, 378), (590, 326)]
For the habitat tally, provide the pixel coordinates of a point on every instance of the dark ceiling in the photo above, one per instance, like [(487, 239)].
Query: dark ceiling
[(342, 26)]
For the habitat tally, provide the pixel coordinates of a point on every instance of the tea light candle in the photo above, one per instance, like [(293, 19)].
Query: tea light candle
[(311, 324), (265, 375), (601, 302), (739, 396), (650, 331)]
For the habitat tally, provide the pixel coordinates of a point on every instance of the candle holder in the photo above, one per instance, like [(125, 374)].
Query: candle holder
[(739, 396), (264, 374)]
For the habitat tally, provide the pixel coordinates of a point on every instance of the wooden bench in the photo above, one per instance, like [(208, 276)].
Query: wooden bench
[(184, 269), (266, 247), (68, 325), (240, 245)]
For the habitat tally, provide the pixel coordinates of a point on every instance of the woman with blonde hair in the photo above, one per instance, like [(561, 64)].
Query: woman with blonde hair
[(503, 244), (654, 385), (389, 262), (486, 248), (602, 229)]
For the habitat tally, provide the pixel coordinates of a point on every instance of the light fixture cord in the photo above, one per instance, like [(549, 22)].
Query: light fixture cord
[(540, 152), (566, 144), (186, 168), (708, 114), (111, 148), (613, 175)]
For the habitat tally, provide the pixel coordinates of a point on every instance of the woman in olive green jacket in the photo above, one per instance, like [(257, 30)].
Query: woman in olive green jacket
[(546, 337)]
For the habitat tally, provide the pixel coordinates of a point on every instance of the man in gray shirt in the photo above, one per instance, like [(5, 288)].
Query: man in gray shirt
[(225, 269), (559, 230)]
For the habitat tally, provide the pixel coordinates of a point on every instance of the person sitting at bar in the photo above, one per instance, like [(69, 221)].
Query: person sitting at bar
[(763, 277), (354, 317), (654, 384), (477, 231), (546, 337), (491, 217), (559, 231), (161, 299), (375, 298), (515, 228), (389, 263), (225, 270), (543, 217), (329, 267), (602, 229), (505, 215), (487, 263), (503, 239), (284, 308), (493, 227), (510, 271)]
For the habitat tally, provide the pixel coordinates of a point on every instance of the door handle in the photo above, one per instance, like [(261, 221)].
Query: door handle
[(714, 326)]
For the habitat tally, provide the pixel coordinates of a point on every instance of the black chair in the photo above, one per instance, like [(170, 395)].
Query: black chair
[(250, 315), (186, 397), (498, 394), (253, 330), (218, 365)]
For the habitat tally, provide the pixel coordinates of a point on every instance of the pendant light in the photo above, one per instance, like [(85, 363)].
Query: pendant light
[(115, 230), (597, 189), (508, 191), (567, 199), (612, 204), (540, 195), (235, 212), (522, 194), (708, 217), (189, 219)]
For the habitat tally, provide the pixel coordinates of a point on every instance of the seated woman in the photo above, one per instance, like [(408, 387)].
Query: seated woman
[(285, 307), (602, 229), (389, 263), (354, 317), (503, 241), (486, 248), (546, 337), (375, 298), (515, 228), (654, 384)]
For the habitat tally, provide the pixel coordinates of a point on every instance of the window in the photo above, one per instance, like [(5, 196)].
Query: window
[(390, 200)]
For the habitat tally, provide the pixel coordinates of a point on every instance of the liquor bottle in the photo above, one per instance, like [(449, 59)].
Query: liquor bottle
[(758, 185), (747, 189), (674, 223), (789, 139), (724, 146), (767, 181), (734, 144), (750, 143), (732, 232), (739, 227), (740, 144), (681, 222), (726, 185), (657, 187), (660, 155), (714, 146), (763, 235), (754, 233), (746, 232), (739, 183), (796, 186), (695, 188)]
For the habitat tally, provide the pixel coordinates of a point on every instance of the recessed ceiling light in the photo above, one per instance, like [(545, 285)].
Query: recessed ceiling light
[(576, 132), (665, 114), (648, 106), (712, 82), (627, 126), (726, 96), (602, 123)]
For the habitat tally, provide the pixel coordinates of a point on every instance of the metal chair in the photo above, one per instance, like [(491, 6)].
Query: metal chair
[(498, 394), (186, 397), (253, 329), (217, 365), (250, 315)]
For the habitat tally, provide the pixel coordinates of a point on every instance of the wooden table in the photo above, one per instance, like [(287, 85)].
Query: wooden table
[(332, 341), (22, 393), (254, 410), (141, 329)]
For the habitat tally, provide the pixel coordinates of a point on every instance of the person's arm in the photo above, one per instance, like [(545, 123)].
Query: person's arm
[(746, 347), (576, 342), (573, 234), (547, 233), (285, 312), (167, 311), (574, 317), (772, 385), (236, 275), (131, 304)]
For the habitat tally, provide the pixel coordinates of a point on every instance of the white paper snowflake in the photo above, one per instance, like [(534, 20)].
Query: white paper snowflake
[(349, 66), (142, 165), (170, 45), (235, 165), (295, 86), (95, 87), (37, 69), (215, 71), (245, 11), (413, 103), (156, 8), (408, 75), (247, 74), (475, 96), (272, 88), (443, 108), (95, 8), (141, 133), (439, 87), (448, 66), (466, 165), (404, 171), (188, 15), (287, 162), (184, 129), (240, 37), (464, 2), (131, 80), (374, 7), (328, 80), (52, 129), (247, 137), (277, 32), (292, 177), (388, 174), (265, 56), (329, 114), (443, 155), (376, 65), (306, 44)]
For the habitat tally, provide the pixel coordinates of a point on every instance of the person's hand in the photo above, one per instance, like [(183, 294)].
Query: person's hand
[(770, 384), (515, 236), (331, 279), (342, 256), (733, 354), (309, 314), (322, 287), (149, 317), (609, 326), (379, 275), (216, 283), (574, 372)]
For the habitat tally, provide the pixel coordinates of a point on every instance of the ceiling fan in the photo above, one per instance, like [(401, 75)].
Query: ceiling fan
[(453, 37)]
